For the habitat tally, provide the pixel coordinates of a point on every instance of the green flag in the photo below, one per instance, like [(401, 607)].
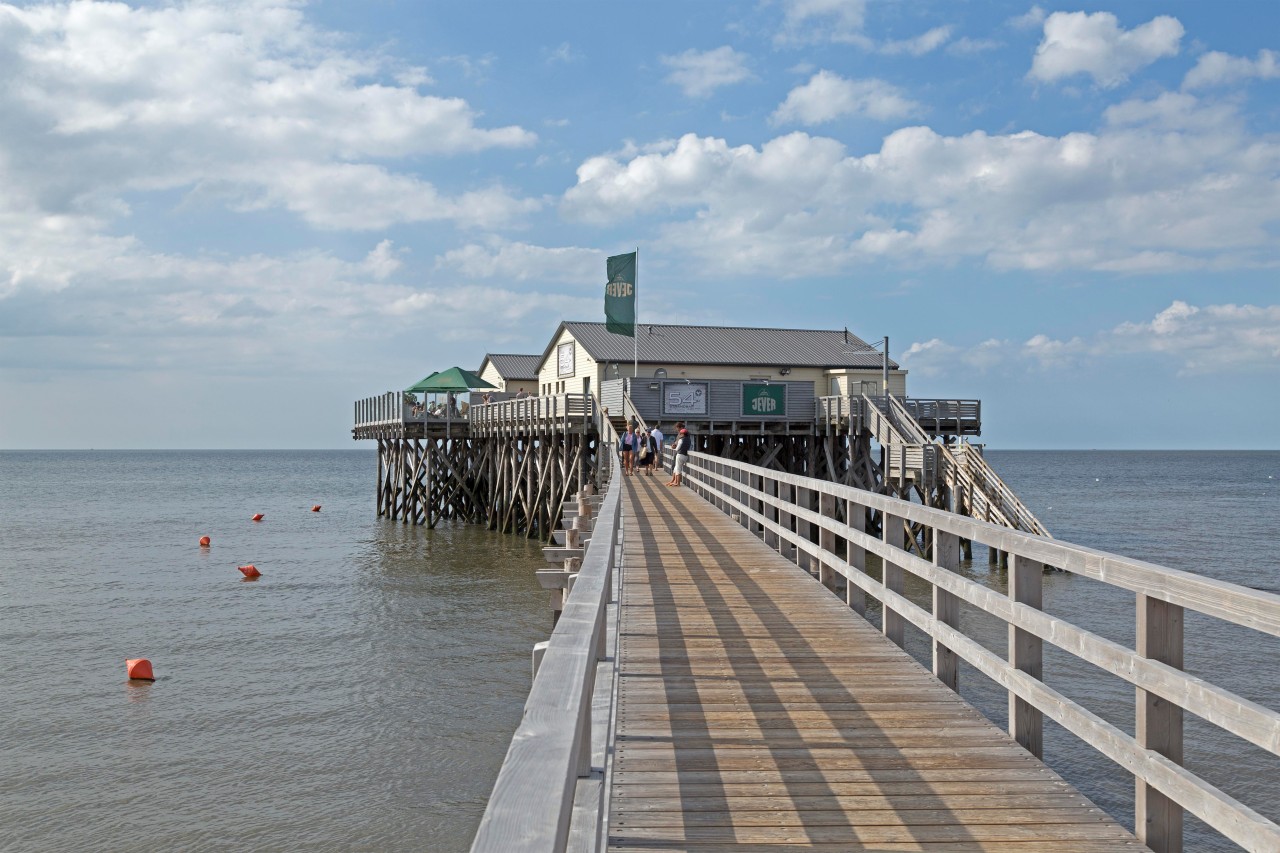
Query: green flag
[(620, 295)]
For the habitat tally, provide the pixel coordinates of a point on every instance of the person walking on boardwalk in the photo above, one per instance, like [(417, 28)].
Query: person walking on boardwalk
[(647, 453), (628, 446), (658, 439), (683, 443)]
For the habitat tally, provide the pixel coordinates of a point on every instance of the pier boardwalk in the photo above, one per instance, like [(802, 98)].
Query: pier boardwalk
[(712, 682), (755, 709)]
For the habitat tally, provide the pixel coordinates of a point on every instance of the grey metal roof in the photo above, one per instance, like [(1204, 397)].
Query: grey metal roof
[(512, 366), (729, 345)]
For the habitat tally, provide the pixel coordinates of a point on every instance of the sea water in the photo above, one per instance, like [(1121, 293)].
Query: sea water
[(361, 695)]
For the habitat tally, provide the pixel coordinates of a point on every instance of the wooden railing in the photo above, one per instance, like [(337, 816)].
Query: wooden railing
[(382, 410), (532, 807), (943, 413), (986, 479), (991, 498), (825, 523), (566, 411), (957, 416)]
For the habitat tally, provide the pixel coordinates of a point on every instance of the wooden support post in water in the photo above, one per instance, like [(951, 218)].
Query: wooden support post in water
[(1158, 819), (1026, 652), (894, 580), (946, 608)]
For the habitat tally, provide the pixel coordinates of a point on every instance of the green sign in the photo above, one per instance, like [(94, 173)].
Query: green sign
[(763, 400)]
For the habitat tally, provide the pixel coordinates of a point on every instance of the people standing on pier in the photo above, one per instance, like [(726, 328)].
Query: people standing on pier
[(628, 447), (683, 443), (648, 452), (658, 439)]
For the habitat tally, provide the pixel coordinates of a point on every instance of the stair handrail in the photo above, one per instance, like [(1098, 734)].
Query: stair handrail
[(902, 420), (1010, 501)]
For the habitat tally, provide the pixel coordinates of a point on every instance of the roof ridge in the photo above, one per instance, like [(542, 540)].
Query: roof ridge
[(692, 326)]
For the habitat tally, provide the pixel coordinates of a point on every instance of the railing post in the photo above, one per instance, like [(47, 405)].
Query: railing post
[(1157, 819), (826, 539), (756, 483), (946, 608), (769, 507), (856, 556), (804, 530), (892, 623), (1026, 653)]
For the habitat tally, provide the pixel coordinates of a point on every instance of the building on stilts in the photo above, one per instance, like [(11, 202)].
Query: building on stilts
[(817, 403)]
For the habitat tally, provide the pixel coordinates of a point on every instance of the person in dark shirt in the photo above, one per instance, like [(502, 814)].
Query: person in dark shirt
[(683, 443)]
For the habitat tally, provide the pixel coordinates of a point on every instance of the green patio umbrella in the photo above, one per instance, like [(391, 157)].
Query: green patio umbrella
[(454, 379)]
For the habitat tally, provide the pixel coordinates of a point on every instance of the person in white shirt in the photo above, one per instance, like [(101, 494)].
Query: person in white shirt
[(658, 438)]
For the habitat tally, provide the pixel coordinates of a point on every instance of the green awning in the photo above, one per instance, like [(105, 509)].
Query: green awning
[(453, 379)]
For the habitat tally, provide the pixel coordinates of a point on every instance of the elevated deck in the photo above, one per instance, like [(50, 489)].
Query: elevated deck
[(755, 708)]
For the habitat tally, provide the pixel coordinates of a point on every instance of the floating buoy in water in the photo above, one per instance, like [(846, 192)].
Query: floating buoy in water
[(204, 541), (257, 517), (139, 669), (316, 508), (250, 571)]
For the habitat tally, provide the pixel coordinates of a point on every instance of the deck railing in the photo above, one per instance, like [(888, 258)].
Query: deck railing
[(961, 417), (568, 411), (384, 410), (532, 804), (825, 522)]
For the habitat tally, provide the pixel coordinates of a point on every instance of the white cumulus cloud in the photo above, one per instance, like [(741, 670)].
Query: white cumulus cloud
[(1220, 69), (699, 73), (1194, 340), (839, 21), (926, 42), (242, 101), (1165, 184), (516, 261), (1095, 44), (828, 96)]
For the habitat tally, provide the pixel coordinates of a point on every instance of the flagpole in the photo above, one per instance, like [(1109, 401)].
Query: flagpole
[(635, 333)]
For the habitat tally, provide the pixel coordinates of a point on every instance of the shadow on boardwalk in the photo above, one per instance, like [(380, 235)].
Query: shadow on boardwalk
[(756, 711)]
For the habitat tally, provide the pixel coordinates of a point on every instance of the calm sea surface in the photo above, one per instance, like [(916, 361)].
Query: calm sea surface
[(361, 695)]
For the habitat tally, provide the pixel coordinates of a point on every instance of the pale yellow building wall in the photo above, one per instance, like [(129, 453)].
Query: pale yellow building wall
[(551, 382), (850, 382), (491, 375)]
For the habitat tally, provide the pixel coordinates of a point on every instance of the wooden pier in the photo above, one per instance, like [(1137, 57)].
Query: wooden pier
[(713, 684), (755, 708)]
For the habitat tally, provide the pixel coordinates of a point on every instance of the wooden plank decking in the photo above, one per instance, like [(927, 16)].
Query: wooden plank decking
[(756, 711)]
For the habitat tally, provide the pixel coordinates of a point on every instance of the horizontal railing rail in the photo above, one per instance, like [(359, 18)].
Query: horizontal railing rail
[(532, 804), (565, 410), (991, 483), (964, 415), (802, 512)]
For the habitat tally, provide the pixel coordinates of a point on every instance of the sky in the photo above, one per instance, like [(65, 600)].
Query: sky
[(223, 222)]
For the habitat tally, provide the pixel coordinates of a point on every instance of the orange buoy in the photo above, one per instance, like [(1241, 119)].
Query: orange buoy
[(257, 517), (250, 571), (204, 541), (316, 508), (139, 669)]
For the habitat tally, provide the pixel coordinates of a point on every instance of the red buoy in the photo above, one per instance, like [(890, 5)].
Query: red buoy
[(204, 541), (250, 571), (316, 508), (257, 517), (139, 669)]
